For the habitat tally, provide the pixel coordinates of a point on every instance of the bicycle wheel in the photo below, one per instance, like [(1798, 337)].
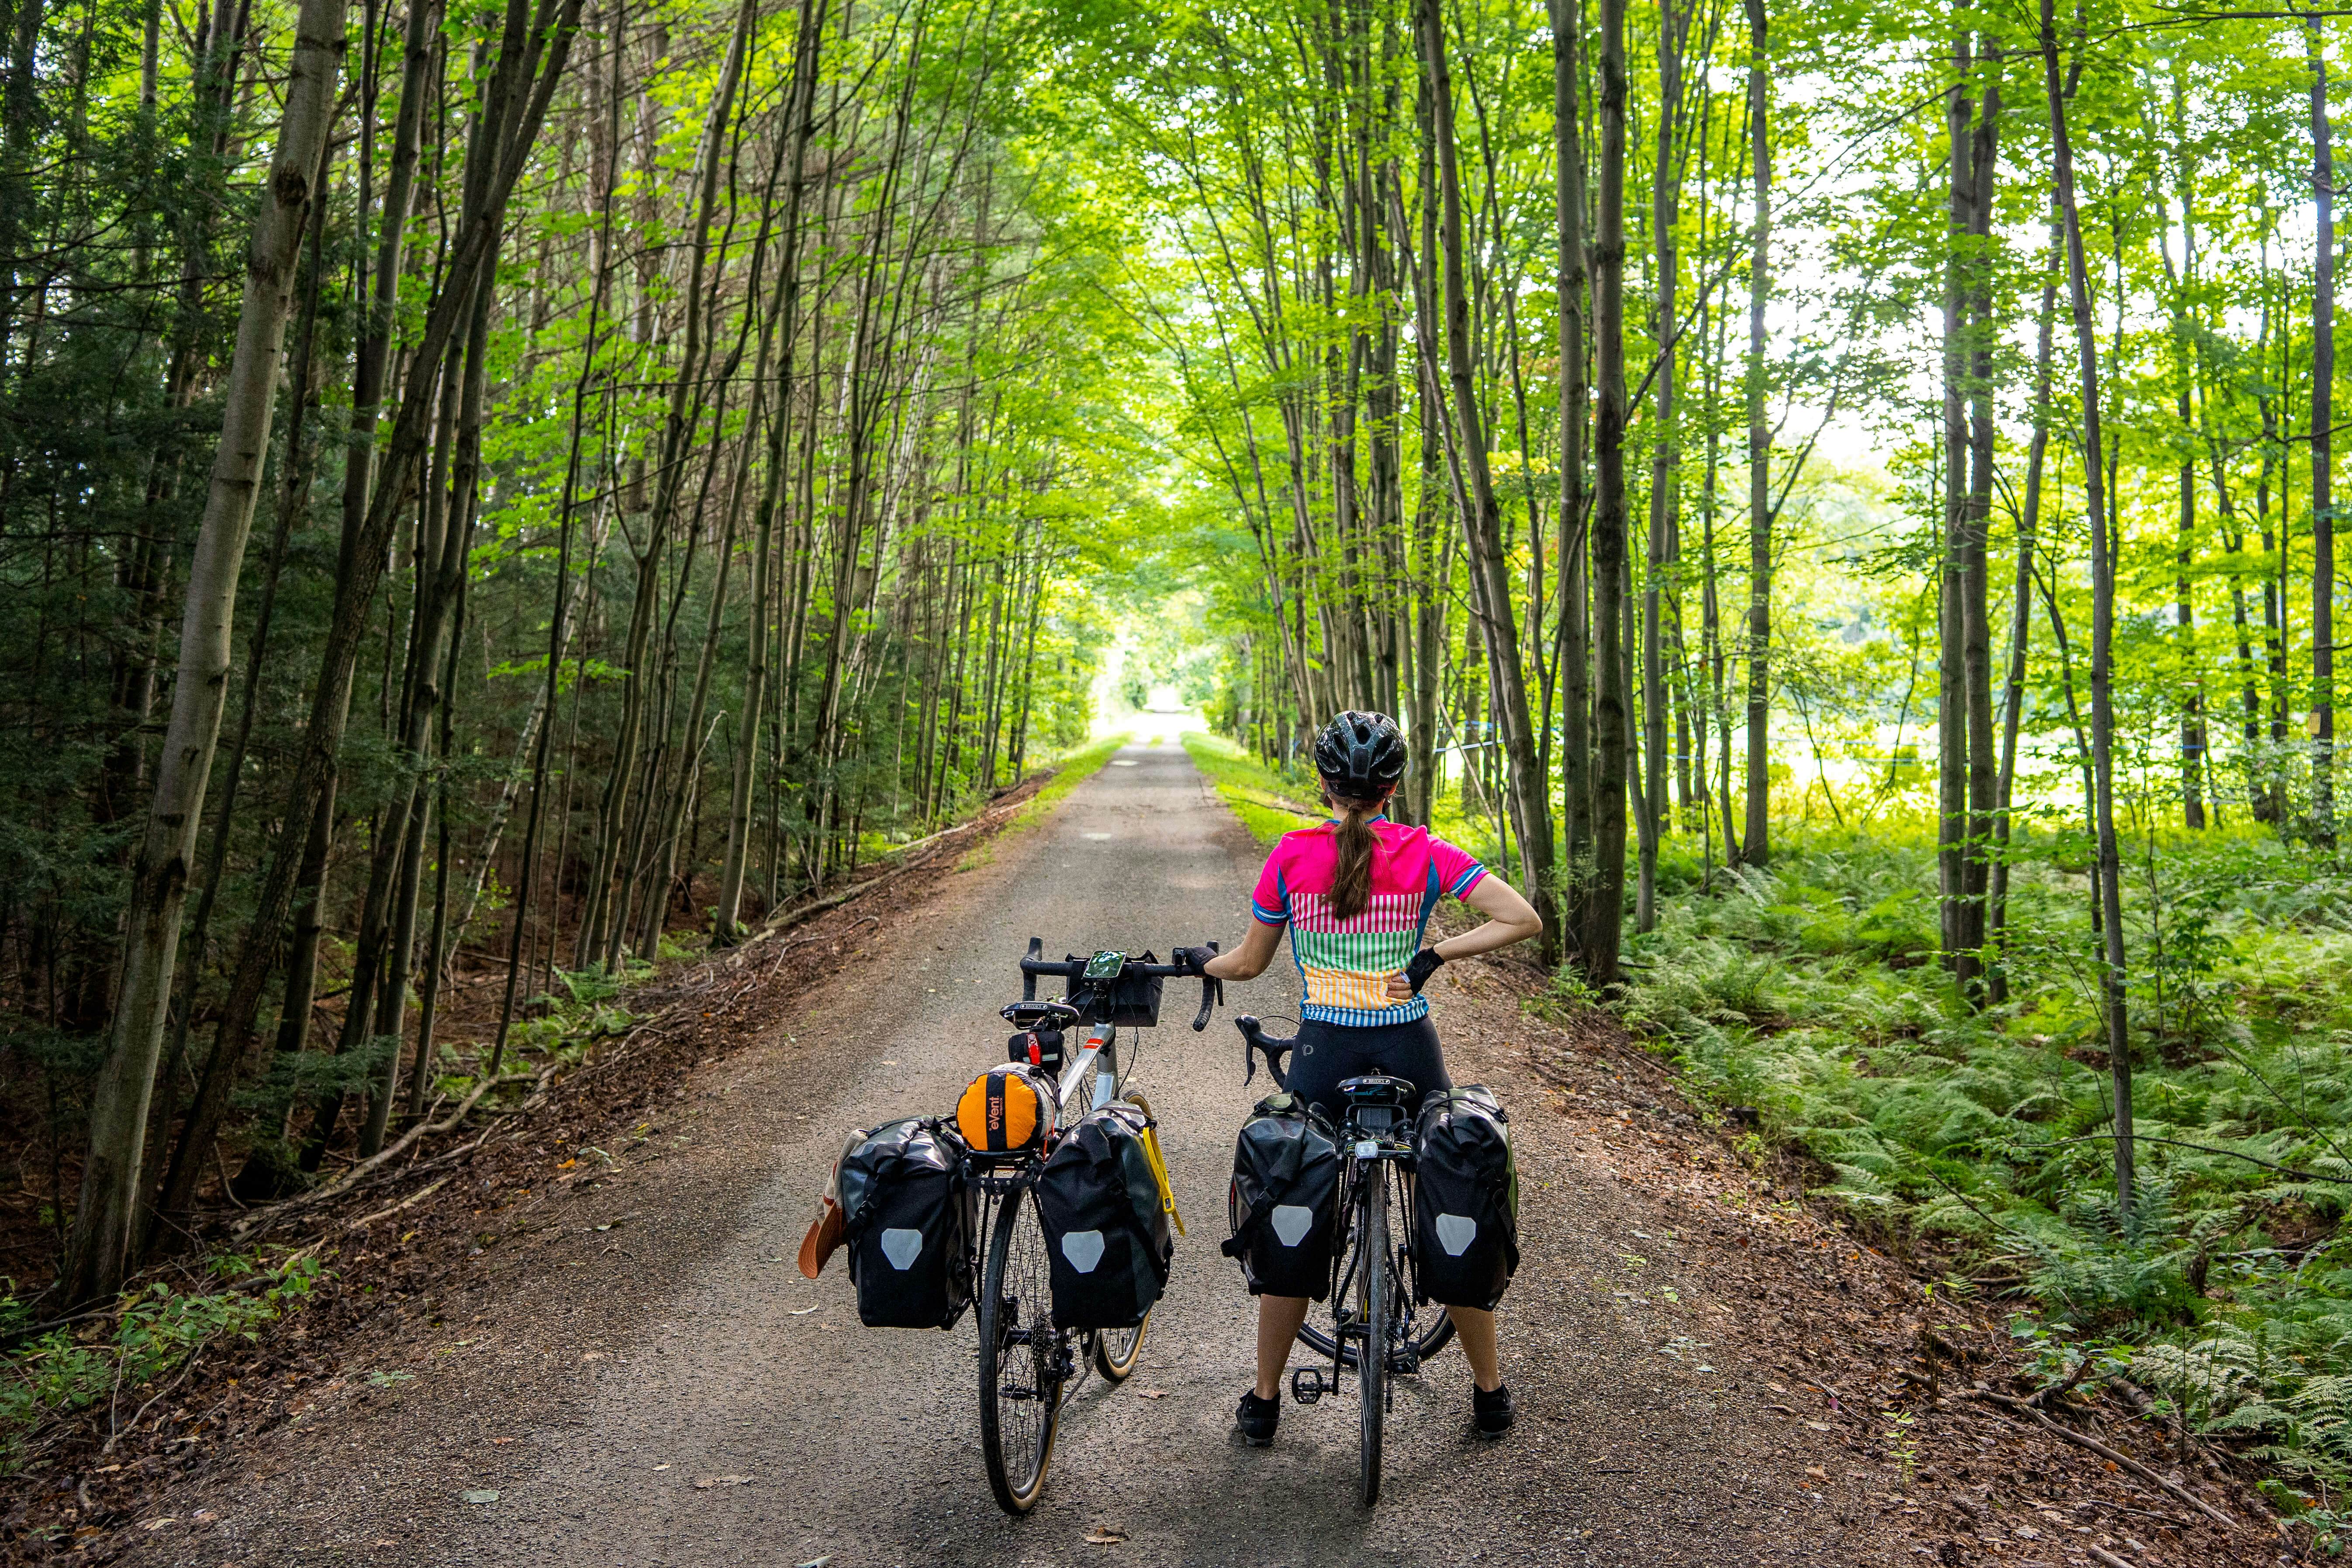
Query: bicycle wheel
[(1025, 1360), (1373, 1281), (1426, 1327), (1116, 1351)]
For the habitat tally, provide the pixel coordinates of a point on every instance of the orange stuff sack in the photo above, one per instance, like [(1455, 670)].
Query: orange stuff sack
[(1005, 1110)]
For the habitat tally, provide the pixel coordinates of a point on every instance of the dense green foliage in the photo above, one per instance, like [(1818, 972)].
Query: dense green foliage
[(1982, 1140)]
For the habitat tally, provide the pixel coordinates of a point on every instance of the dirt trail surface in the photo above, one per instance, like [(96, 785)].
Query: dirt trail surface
[(632, 1372)]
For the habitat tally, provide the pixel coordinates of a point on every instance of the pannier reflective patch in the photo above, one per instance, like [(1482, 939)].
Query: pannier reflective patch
[(902, 1248), (1084, 1248), (1456, 1232), (1291, 1223)]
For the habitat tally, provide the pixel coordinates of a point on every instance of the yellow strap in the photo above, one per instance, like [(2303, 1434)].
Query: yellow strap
[(1158, 1163)]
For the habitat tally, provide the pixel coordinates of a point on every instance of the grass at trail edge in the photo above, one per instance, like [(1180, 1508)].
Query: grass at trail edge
[(1068, 774), (1269, 804)]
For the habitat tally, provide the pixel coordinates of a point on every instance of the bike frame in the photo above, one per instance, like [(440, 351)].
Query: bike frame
[(1368, 1158), (1057, 1358)]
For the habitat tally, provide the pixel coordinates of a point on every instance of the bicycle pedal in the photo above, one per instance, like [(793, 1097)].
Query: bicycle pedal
[(1307, 1384)]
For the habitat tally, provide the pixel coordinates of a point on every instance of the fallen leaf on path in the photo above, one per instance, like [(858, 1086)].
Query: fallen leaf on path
[(159, 1523), (1106, 1535), (486, 1495), (1817, 1473), (1152, 1394), (501, 1439), (707, 1482), (1821, 1425)]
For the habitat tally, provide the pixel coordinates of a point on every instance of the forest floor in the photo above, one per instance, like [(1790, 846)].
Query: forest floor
[(586, 1342)]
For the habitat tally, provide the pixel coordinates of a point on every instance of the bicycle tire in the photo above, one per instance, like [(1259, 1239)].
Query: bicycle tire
[(1372, 1285), (1018, 1339), (1117, 1352)]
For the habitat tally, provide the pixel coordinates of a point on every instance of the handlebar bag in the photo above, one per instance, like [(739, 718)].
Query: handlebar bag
[(1285, 1199), (1107, 1239), (1466, 1199), (907, 1213)]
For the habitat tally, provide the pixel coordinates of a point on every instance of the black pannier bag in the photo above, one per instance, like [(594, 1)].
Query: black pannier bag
[(1466, 1199), (907, 1216), (1107, 1237), (1285, 1199)]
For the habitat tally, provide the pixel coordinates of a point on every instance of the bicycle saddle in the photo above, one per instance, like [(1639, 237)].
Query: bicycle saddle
[(1376, 1090)]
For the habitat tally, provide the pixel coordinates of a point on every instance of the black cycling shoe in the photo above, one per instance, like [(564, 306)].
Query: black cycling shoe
[(1257, 1419), (1490, 1413)]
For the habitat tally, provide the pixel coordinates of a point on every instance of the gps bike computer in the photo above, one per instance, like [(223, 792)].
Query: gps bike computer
[(1105, 965)]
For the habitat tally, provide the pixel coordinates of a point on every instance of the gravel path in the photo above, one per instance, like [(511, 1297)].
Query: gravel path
[(640, 1375)]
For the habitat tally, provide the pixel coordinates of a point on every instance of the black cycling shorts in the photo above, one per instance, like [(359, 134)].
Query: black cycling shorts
[(1330, 1053)]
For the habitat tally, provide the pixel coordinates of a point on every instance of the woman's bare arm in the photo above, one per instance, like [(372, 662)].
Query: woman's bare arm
[(1248, 961)]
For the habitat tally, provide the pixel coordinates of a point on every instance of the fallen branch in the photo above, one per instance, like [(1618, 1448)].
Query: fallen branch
[(418, 1196), (349, 1179), (2122, 1461), (799, 913)]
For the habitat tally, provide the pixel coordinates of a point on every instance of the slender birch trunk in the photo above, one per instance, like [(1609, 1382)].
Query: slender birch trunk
[(105, 1220)]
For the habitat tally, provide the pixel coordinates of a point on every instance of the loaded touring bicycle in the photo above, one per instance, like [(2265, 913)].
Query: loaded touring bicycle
[(1044, 1202)]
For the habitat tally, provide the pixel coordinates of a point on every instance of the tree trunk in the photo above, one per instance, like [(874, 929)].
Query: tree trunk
[(2028, 524), (1663, 200), (1755, 849), (2322, 416), (105, 1222), (1527, 793), (2102, 614), (1573, 645), (1976, 632), (1604, 909), (783, 317), (1951, 668)]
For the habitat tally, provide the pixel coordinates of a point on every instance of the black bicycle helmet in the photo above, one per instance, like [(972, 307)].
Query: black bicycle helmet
[(1360, 755)]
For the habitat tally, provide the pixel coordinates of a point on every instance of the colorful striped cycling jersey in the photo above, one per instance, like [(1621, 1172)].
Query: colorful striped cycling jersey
[(1344, 965)]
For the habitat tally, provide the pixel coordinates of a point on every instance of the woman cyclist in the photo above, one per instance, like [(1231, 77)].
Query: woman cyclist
[(1354, 895)]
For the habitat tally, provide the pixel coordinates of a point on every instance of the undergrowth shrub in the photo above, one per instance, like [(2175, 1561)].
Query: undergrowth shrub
[(127, 1356), (1983, 1140)]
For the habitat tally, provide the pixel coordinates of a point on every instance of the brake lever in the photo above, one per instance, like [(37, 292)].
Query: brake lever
[(1213, 996)]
